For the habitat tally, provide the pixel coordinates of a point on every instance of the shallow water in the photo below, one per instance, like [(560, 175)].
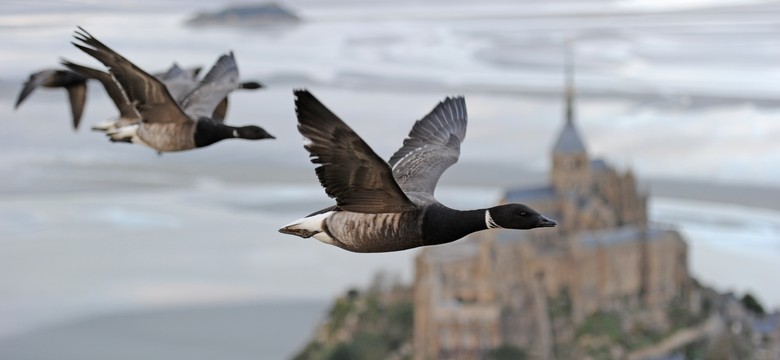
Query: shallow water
[(730, 247)]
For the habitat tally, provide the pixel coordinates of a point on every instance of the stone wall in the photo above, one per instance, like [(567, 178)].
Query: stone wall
[(511, 292)]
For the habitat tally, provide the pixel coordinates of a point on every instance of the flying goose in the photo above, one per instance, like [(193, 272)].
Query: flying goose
[(166, 126), (381, 206), (74, 83), (180, 82), (176, 79)]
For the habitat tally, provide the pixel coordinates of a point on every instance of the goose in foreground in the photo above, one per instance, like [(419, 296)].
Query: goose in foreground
[(381, 206), (74, 83), (167, 126)]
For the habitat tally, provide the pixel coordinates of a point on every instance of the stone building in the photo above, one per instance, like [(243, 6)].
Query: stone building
[(533, 289)]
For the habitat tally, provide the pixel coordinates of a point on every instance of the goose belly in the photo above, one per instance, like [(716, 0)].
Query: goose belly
[(166, 137), (383, 232)]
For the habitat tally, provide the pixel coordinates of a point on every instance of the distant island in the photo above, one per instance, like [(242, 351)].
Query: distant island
[(246, 15)]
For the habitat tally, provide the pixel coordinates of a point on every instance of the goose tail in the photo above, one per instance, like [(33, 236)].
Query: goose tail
[(297, 231), (306, 227), (123, 134)]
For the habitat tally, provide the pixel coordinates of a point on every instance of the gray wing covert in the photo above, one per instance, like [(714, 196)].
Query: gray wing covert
[(432, 146), (215, 86), (178, 81)]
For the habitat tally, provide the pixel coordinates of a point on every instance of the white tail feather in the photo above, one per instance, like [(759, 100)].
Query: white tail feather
[(123, 133), (310, 226)]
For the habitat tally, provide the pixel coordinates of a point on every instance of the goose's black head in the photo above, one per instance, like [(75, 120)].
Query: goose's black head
[(517, 216), (252, 132)]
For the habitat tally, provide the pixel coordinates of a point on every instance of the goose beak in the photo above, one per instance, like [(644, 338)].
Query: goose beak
[(546, 222)]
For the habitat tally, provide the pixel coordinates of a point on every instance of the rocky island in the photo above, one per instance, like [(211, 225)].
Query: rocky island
[(246, 15), (607, 283)]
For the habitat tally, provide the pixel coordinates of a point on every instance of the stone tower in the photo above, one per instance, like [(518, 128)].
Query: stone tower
[(570, 164)]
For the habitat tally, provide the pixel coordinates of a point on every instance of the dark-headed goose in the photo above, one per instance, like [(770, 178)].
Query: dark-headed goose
[(165, 126), (384, 206), (74, 83), (181, 83), (176, 79)]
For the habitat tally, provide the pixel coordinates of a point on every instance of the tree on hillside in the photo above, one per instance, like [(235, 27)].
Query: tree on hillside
[(752, 304)]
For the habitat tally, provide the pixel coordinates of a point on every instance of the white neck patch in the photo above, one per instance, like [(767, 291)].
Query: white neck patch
[(235, 132), (489, 222)]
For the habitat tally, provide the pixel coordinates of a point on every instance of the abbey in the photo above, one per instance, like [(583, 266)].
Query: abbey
[(534, 290)]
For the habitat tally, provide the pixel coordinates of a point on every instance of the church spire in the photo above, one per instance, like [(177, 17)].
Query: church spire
[(569, 140), (569, 85)]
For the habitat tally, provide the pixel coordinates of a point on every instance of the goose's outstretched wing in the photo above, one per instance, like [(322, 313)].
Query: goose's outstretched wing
[(77, 96), (220, 111), (349, 170), (126, 109), (74, 83), (179, 82), (215, 86), (432, 146), (149, 95)]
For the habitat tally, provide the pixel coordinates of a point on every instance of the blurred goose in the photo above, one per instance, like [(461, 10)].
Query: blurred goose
[(382, 206), (180, 83), (175, 70), (74, 83), (176, 79), (167, 126)]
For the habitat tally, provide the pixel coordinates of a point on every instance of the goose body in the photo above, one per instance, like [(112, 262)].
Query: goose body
[(381, 206), (74, 83), (167, 125)]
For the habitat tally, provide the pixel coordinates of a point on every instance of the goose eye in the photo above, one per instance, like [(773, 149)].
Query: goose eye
[(523, 213)]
